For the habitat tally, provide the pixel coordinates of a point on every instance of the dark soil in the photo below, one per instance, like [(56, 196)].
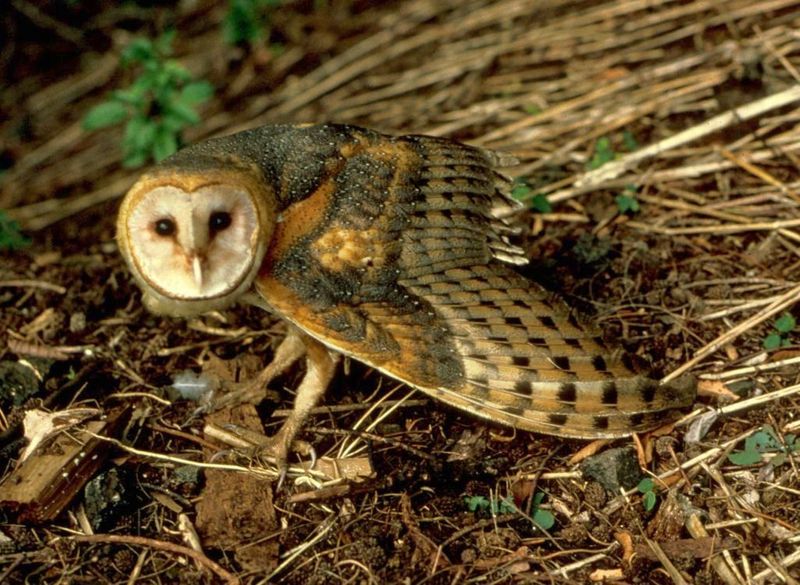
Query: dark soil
[(93, 344)]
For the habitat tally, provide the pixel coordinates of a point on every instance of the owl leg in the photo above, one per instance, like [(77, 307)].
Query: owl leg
[(291, 349), (320, 368)]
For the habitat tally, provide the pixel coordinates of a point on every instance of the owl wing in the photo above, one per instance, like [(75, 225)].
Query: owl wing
[(396, 258)]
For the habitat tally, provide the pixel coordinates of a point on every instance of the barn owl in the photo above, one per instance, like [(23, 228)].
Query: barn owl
[(391, 250)]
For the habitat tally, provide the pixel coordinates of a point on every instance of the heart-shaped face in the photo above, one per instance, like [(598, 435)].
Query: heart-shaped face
[(192, 245)]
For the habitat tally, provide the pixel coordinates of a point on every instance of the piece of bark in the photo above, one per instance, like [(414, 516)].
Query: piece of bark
[(667, 524), (235, 512), (45, 483), (687, 548)]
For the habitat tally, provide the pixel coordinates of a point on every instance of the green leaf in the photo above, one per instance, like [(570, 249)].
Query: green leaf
[(130, 96), (140, 133), (104, 115), (541, 203), (520, 191), (139, 50), (544, 519), (163, 86), (134, 159), (507, 506), (772, 341), (163, 44), (243, 22), (772, 439), (627, 203), (779, 459), (144, 85), (629, 141), (532, 109), (744, 457), (183, 112), (646, 485), (173, 124), (785, 323), (174, 71), (11, 237), (475, 503), (649, 500), (165, 144), (603, 153), (196, 92), (764, 441)]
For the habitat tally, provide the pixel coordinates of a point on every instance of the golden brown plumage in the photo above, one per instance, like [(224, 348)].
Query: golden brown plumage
[(392, 250)]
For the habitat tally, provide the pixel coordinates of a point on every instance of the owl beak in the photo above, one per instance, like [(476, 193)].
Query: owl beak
[(197, 269)]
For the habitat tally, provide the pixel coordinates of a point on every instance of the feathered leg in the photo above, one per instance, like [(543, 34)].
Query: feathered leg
[(291, 349), (320, 368)]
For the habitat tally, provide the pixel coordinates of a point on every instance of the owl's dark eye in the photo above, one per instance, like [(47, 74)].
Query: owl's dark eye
[(165, 227), (219, 221)]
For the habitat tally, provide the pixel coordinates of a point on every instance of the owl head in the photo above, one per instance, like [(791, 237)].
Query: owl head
[(194, 232)]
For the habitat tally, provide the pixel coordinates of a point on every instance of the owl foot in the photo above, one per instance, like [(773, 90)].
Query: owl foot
[(274, 449), (320, 367)]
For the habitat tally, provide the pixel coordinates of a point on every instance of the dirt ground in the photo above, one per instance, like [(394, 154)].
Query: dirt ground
[(690, 108)]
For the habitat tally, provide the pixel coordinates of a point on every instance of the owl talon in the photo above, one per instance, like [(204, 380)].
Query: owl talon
[(273, 449), (281, 477), (277, 448)]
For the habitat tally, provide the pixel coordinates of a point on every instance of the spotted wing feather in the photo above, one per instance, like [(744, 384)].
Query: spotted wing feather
[(397, 258)]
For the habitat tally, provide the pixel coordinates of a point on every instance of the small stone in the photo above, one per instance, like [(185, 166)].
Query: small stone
[(665, 446), (468, 556), (17, 383), (595, 495), (574, 534), (109, 497), (613, 469), (77, 322)]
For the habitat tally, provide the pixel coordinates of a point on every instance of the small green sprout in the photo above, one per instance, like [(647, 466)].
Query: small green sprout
[(628, 141), (626, 201), (603, 153), (763, 441), (483, 504), (11, 237), (521, 191), (158, 105), (544, 519), (247, 21), (647, 488), (541, 204), (782, 327), (604, 149)]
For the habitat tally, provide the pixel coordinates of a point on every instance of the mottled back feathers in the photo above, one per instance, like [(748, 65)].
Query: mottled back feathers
[(401, 263)]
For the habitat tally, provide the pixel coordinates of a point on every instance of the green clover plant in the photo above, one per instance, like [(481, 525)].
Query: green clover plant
[(158, 105)]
